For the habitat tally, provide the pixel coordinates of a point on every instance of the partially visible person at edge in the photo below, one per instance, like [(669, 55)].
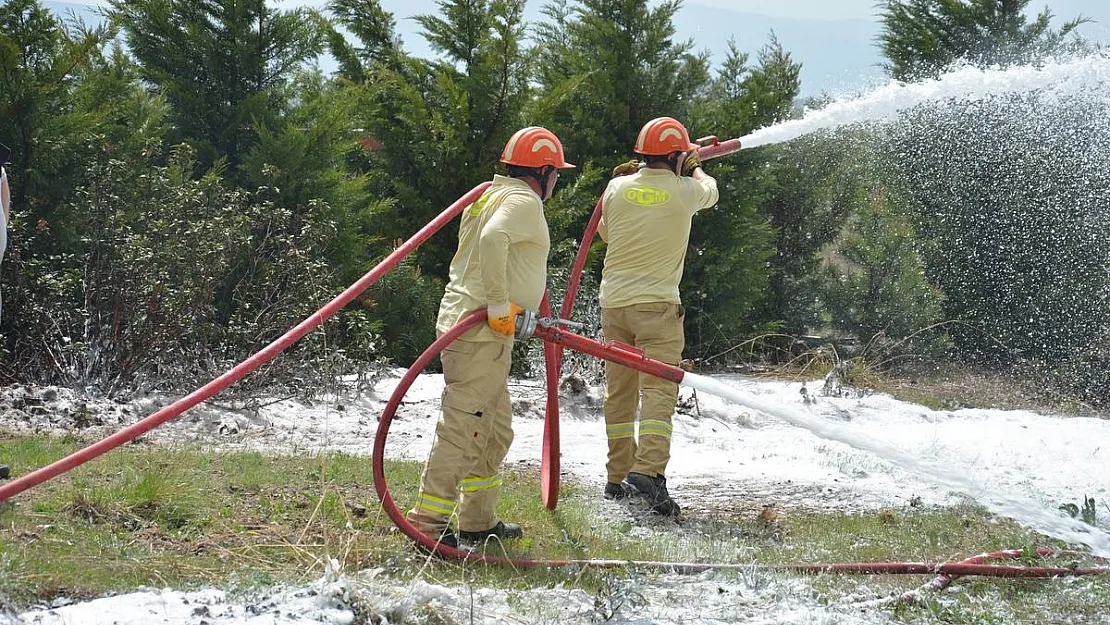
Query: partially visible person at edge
[(6, 209), (646, 216), (5, 204), (500, 265)]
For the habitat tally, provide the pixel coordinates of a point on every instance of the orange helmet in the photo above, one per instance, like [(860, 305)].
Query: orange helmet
[(661, 136), (534, 147)]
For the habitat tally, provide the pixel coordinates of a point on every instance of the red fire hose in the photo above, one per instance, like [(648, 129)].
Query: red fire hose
[(551, 333), (553, 354)]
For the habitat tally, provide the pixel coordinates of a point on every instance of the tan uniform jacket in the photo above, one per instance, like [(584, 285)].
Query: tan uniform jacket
[(502, 256), (645, 219)]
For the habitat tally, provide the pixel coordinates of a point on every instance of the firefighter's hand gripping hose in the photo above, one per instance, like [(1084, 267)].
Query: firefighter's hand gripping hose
[(552, 331), (692, 162)]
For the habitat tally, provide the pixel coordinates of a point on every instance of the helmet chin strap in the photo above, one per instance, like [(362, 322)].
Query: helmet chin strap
[(676, 164), (546, 182)]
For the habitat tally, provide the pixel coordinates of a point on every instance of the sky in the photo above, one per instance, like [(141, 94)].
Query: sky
[(834, 41), (767, 443)]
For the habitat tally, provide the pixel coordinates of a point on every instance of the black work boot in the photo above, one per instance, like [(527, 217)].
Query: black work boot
[(502, 530), (616, 490), (445, 537), (654, 492)]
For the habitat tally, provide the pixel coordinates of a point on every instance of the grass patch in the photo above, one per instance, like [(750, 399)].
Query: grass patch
[(186, 518)]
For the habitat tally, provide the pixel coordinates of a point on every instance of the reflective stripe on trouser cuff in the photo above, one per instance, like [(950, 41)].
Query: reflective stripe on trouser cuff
[(475, 484), (616, 431), (435, 505), (656, 428)]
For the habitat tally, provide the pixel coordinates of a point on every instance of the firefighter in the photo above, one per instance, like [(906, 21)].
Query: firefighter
[(646, 216), (500, 265)]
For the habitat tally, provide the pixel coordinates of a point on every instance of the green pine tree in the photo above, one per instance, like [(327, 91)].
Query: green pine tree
[(223, 65)]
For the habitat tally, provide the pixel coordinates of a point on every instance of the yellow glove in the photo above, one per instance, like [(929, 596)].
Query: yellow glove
[(692, 162), (502, 317), (625, 169)]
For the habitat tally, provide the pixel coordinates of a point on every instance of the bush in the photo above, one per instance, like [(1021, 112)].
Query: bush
[(176, 278)]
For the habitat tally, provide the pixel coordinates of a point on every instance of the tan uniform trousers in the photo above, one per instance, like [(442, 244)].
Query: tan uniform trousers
[(472, 437), (655, 328)]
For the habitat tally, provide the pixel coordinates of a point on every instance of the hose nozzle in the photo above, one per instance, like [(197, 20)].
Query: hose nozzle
[(529, 320)]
